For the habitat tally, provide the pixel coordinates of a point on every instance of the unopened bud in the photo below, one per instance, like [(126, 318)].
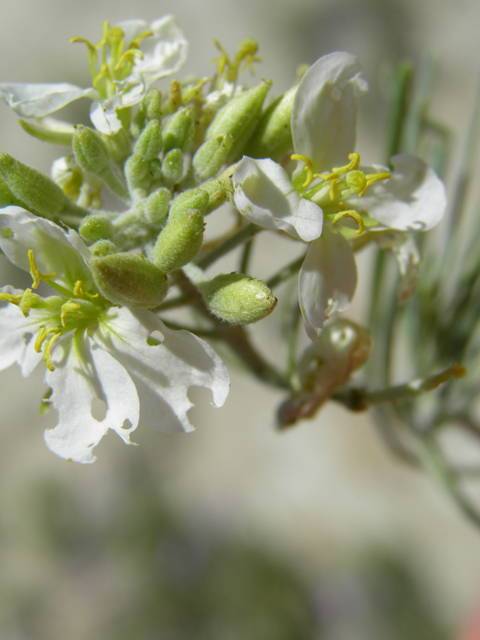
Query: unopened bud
[(137, 173), (156, 207), (272, 137), (149, 144), (129, 279), (150, 108), (238, 299), (34, 190), (172, 166), (119, 146), (218, 192), (191, 199), (211, 155), (95, 227), (180, 241), (239, 117), (102, 248), (179, 130), (91, 152)]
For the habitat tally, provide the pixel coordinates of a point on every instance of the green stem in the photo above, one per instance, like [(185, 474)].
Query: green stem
[(285, 273), (244, 233)]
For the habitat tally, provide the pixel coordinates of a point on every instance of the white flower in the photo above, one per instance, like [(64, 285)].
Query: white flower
[(323, 124), (164, 52), (93, 350)]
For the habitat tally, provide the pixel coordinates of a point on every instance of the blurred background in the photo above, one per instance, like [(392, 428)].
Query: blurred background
[(234, 531)]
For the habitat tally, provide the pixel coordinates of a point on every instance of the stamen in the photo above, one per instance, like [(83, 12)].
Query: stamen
[(136, 43), (13, 298), (104, 38), (35, 273), (374, 177), (47, 349), (351, 166), (223, 61), (308, 168), (42, 334), (128, 57), (28, 300), (351, 214), (103, 74), (67, 308), (78, 291)]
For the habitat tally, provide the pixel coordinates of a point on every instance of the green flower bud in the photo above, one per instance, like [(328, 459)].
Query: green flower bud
[(149, 144), (119, 146), (172, 166), (95, 227), (238, 299), (180, 241), (272, 137), (129, 279), (137, 173), (239, 117), (179, 130), (91, 152), (156, 207), (218, 192), (211, 155), (153, 104), (191, 199), (6, 196), (34, 190), (150, 108), (102, 248)]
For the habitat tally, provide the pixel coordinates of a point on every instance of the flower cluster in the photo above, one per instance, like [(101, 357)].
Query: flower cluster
[(172, 157)]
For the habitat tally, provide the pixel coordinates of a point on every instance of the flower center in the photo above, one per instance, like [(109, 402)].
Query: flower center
[(117, 58), (57, 315), (332, 192)]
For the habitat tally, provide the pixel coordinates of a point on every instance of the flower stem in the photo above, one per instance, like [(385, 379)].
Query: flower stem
[(240, 236)]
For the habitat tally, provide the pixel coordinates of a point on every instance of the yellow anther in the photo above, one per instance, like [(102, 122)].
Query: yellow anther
[(28, 300), (91, 48), (78, 291), (14, 298), (308, 168), (351, 214), (136, 43), (42, 334), (351, 166), (104, 39), (36, 275), (47, 349), (103, 74), (223, 61), (374, 177), (67, 308), (128, 57)]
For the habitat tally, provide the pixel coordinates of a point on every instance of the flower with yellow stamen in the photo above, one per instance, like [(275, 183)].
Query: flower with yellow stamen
[(316, 207)]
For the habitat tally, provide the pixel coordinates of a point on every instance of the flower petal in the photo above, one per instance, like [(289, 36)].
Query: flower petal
[(265, 195), (55, 250), (82, 374), (413, 199), (327, 280), (164, 369), (36, 100), (164, 52), (325, 110), (104, 116), (16, 332)]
